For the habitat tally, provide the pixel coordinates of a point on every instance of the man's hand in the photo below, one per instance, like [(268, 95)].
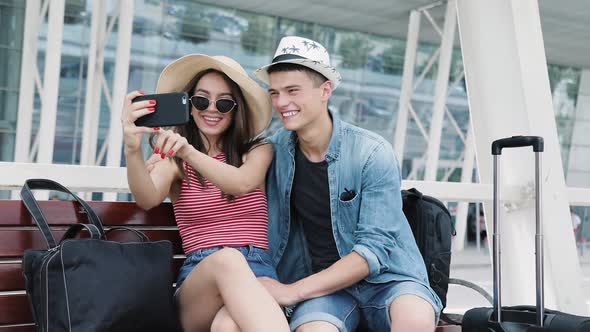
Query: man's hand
[(285, 295)]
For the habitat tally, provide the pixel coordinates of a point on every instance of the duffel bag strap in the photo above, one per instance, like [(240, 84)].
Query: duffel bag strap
[(75, 229), (140, 235), (31, 204), (47, 184)]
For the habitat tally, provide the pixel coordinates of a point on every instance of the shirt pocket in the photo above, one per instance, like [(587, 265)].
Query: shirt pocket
[(348, 214)]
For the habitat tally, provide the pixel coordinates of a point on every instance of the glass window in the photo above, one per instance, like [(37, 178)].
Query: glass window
[(564, 82), (195, 22), (258, 37), (288, 27), (8, 109), (11, 37), (393, 57), (12, 13)]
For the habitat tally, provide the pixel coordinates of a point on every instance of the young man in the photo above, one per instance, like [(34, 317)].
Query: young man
[(345, 252)]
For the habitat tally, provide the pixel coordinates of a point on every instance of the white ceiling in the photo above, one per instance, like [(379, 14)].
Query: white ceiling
[(565, 23)]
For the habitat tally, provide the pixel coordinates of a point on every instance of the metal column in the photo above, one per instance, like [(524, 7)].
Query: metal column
[(463, 207), (509, 94), (28, 77), (441, 88), (407, 88), (115, 139), (51, 81), (94, 83)]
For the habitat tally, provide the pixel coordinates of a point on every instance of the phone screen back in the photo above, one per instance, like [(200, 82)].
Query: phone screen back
[(172, 109)]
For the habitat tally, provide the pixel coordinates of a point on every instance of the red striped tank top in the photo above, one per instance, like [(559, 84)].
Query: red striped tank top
[(205, 219)]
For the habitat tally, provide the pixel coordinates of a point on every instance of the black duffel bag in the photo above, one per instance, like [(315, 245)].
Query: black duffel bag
[(95, 285)]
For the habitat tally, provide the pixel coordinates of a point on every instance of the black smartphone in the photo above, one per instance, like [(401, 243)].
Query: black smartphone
[(172, 109)]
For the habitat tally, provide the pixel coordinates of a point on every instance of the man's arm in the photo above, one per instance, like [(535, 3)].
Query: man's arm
[(347, 271)]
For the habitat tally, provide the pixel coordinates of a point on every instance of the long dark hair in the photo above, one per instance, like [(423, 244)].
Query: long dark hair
[(236, 140)]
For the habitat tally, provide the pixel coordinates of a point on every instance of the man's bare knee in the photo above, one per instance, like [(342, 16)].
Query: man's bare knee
[(317, 326), (412, 313)]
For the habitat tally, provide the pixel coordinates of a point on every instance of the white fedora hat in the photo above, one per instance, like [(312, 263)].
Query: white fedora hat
[(179, 74), (305, 52)]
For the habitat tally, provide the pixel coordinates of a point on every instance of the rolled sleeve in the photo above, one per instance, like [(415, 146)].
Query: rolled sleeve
[(370, 257), (381, 217)]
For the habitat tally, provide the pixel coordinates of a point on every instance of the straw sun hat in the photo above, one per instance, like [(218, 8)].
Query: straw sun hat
[(178, 75)]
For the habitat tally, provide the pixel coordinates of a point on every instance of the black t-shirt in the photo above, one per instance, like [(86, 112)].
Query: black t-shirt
[(310, 199)]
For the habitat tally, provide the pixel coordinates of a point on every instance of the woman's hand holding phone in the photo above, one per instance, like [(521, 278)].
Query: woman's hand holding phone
[(132, 134)]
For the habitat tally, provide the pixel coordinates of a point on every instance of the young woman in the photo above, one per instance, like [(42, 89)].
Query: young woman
[(213, 170)]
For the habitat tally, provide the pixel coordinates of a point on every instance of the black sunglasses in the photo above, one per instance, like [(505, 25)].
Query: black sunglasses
[(224, 105)]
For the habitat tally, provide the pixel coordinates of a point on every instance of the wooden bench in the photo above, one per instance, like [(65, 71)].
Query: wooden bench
[(19, 233)]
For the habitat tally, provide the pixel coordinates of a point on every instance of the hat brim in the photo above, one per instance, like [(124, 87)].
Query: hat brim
[(328, 71), (176, 77)]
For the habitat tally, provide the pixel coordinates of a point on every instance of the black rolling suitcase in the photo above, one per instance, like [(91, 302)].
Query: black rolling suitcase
[(520, 318)]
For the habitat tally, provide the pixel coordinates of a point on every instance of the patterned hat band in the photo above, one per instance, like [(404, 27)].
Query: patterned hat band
[(304, 52)]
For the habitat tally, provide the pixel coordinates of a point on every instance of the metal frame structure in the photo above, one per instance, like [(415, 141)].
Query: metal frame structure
[(42, 147), (48, 89), (443, 56), (29, 81), (101, 30)]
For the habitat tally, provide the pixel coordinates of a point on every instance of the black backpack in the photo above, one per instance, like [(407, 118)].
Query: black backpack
[(433, 229)]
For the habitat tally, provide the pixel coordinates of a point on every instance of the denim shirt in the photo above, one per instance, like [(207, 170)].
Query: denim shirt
[(371, 224)]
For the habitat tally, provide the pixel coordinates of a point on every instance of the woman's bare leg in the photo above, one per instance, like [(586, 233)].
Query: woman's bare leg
[(223, 322), (225, 279)]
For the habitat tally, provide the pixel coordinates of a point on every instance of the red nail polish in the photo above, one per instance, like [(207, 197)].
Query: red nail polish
[(156, 128), (141, 92), (152, 102), (162, 155), (157, 150), (151, 109), (171, 153)]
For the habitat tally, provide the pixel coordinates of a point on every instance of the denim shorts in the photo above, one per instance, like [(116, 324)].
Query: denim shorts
[(260, 262), (363, 304)]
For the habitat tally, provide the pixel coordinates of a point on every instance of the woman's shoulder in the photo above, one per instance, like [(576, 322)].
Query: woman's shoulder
[(261, 149)]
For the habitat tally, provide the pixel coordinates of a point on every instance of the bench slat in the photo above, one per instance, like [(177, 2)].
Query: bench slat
[(11, 277), (18, 328), (13, 243), (14, 213), (14, 309)]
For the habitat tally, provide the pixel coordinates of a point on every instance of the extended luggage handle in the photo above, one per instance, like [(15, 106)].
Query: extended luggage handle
[(517, 141), (31, 203), (513, 142)]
